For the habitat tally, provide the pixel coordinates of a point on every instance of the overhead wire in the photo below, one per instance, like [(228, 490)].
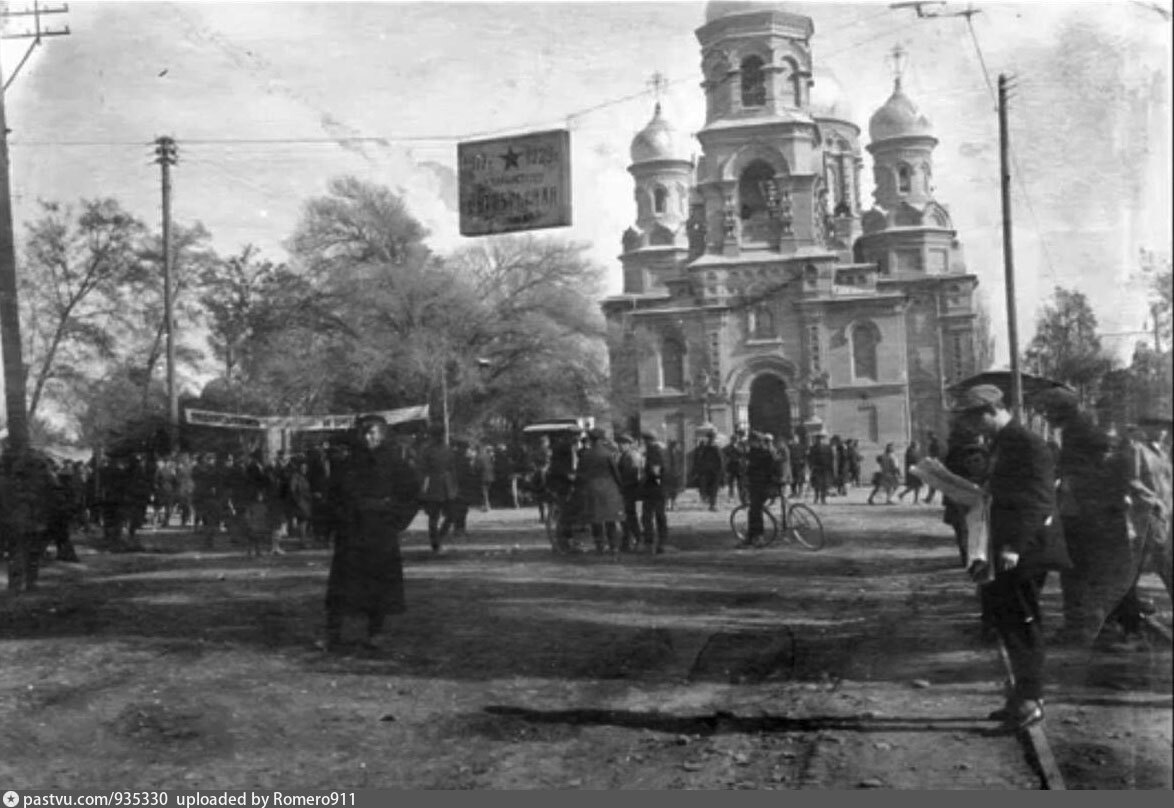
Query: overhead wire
[(385, 140), (1014, 159)]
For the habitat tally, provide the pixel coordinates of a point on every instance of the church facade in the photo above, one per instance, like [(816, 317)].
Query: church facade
[(758, 291)]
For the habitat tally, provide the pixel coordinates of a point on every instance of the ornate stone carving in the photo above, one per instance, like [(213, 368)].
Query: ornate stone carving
[(786, 212), (696, 229)]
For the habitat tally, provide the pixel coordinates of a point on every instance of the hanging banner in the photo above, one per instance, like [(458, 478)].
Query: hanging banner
[(300, 423), (509, 184)]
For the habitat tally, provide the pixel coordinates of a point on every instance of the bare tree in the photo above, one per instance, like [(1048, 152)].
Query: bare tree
[(77, 263)]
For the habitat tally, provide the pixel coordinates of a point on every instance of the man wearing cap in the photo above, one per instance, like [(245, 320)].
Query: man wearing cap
[(761, 483), (653, 521), (631, 467), (376, 494), (708, 467), (1025, 544), (821, 459)]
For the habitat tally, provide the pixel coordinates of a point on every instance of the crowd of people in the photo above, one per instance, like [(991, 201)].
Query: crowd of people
[(1095, 506)]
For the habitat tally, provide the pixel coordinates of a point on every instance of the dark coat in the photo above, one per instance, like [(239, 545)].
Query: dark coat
[(376, 499), (655, 470), (761, 469), (597, 486), (1024, 517), (436, 468), (821, 459), (707, 461)]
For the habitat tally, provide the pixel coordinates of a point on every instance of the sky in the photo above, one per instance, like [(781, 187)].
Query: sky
[(269, 100)]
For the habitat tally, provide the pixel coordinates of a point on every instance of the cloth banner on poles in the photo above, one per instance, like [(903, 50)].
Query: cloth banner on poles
[(300, 423)]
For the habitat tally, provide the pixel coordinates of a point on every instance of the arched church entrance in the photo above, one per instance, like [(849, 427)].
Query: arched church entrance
[(770, 407)]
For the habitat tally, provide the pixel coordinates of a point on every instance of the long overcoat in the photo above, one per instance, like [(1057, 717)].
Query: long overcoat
[(436, 467), (1024, 517), (376, 495), (597, 486)]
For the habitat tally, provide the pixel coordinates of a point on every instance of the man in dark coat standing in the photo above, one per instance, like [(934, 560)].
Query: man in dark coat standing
[(597, 491), (439, 487), (708, 466), (376, 495), (821, 459), (762, 482), (631, 467), (1026, 542), (653, 520)]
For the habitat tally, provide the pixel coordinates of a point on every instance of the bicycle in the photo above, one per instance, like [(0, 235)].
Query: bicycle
[(800, 525)]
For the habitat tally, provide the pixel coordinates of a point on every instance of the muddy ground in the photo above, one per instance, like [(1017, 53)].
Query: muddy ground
[(860, 666)]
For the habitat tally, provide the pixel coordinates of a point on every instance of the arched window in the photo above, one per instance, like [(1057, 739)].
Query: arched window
[(755, 189), (660, 199), (762, 322), (753, 82), (672, 364), (865, 338), (904, 179)]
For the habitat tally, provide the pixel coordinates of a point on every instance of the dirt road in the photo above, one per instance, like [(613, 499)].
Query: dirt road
[(857, 667)]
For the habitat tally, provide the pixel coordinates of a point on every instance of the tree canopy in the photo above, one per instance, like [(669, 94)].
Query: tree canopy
[(362, 316)]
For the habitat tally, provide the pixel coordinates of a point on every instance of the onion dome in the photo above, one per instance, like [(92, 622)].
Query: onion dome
[(827, 98), (659, 140), (716, 9), (899, 117)]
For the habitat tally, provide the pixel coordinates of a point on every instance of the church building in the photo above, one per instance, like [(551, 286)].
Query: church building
[(759, 290)]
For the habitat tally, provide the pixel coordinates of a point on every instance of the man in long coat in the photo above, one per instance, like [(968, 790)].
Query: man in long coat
[(1026, 542), (708, 466), (597, 491), (821, 459), (439, 487), (376, 495)]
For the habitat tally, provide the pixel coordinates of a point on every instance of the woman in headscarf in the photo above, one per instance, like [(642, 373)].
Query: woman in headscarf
[(376, 495)]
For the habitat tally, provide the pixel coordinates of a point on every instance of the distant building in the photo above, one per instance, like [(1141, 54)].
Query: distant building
[(757, 290)]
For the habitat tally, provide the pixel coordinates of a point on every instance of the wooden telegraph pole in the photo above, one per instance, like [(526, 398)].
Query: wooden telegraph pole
[(14, 376), (1008, 258), (167, 155), (21, 569)]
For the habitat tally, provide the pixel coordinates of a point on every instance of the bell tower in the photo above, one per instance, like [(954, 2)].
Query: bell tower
[(762, 158)]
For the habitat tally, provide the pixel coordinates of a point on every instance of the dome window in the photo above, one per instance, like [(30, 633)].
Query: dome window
[(660, 198), (753, 82)]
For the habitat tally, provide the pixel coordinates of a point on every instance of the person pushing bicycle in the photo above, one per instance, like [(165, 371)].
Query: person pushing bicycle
[(762, 484)]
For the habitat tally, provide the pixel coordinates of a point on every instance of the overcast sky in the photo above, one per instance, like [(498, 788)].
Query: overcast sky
[(1090, 121)]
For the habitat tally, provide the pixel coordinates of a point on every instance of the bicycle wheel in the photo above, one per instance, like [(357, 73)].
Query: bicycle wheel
[(804, 527), (740, 524)]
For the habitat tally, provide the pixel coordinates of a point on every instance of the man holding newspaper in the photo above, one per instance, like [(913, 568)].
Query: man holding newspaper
[(1025, 541)]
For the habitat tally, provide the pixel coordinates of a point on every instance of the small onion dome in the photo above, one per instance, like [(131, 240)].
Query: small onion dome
[(827, 98), (899, 117), (659, 141), (716, 9)]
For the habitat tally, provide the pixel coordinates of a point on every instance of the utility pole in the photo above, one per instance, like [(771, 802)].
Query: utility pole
[(167, 155), (14, 375), (1008, 257)]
